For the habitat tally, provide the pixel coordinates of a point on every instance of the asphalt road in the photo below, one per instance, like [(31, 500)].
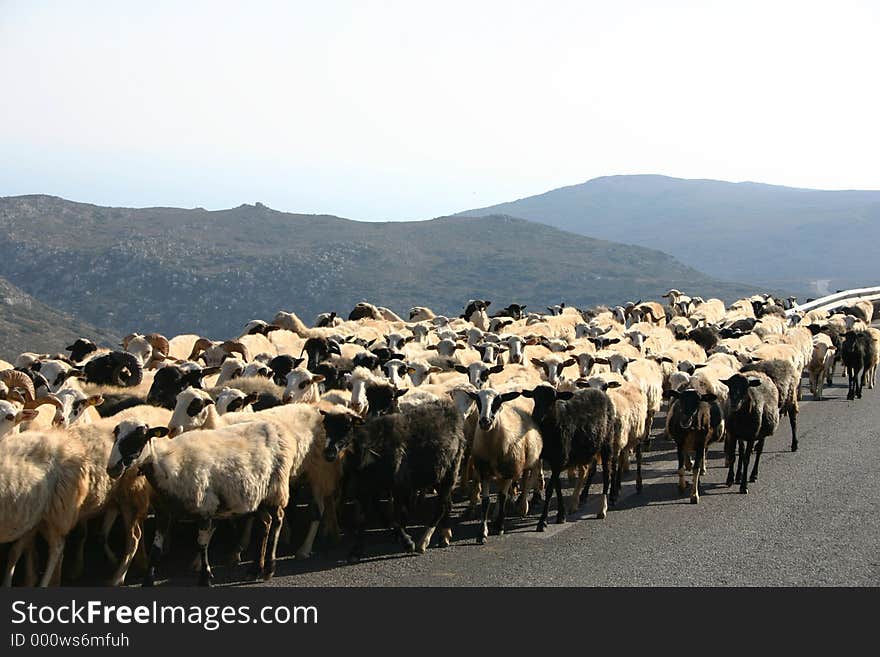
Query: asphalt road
[(813, 518)]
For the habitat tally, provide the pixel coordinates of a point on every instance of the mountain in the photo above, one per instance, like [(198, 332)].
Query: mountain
[(174, 270), (29, 325), (803, 240)]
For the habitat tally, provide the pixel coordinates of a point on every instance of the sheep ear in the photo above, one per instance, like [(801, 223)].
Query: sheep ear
[(569, 362), (434, 369), (496, 369), (26, 415), (632, 360), (460, 346), (158, 432), (472, 394), (565, 395), (507, 396), (431, 347), (601, 361), (250, 398), (708, 397), (95, 400), (536, 362), (318, 378), (667, 394), (324, 413), (401, 392), (754, 383), (612, 384), (529, 394), (612, 341), (582, 383), (461, 369)]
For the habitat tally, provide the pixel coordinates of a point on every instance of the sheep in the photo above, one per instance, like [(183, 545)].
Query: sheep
[(871, 373), (787, 380), (170, 380), (214, 353), (753, 415), (420, 370), (694, 420), (238, 470), (364, 310), (302, 387), (230, 369), (506, 446), (475, 313), (150, 350), (128, 496), (43, 482), (551, 367), (195, 409), (117, 368), (232, 400), (576, 428), (478, 373), (649, 311), (419, 449), (858, 352), (11, 415), (80, 349), (821, 363)]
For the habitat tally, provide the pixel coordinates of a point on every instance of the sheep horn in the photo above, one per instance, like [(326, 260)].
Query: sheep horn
[(200, 345), (46, 399), (134, 367), (232, 346), (159, 343), (127, 339), (16, 379)]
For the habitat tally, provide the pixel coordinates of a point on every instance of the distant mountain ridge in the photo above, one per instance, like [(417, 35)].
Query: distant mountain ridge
[(29, 325), (175, 270), (783, 237)]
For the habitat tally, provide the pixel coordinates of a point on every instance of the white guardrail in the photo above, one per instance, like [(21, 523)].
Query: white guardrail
[(847, 297)]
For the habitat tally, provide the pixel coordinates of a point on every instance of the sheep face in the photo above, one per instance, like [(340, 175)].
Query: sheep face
[(552, 367), (171, 381), (478, 373), (190, 411), (396, 370), (76, 403), (418, 372), (738, 386), (81, 348), (339, 430), (545, 397), (489, 404), (382, 398), (130, 438), (298, 384), (446, 347), (11, 415), (689, 402), (232, 400)]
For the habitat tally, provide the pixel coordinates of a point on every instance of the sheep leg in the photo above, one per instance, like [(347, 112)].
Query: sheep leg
[(266, 519), (14, 555), (80, 533), (759, 447), (55, 541), (744, 461), (484, 529), (554, 478), (741, 456), (606, 481), (244, 540), (444, 505), (206, 530), (575, 499), (316, 508), (503, 492), (639, 467), (357, 551), (132, 540), (163, 526), (331, 520), (401, 499), (591, 471), (792, 419), (699, 462), (616, 473), (523, 501), (730, 455), (277, 521), (682, 485), (106, 526)]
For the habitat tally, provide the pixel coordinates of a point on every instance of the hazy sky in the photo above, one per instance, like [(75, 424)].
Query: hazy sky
[(409, 110)]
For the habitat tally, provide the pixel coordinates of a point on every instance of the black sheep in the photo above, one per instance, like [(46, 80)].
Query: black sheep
[(693, 421), (787, 381), (857, 352), (752, 416), (171, 381), (420, 449), (705, 336), (117, 368), (576, 428)]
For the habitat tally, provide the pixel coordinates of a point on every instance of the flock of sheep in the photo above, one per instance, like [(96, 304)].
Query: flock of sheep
[(378, 408)]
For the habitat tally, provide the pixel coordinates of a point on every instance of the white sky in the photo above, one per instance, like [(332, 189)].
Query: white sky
[(408, 110)]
